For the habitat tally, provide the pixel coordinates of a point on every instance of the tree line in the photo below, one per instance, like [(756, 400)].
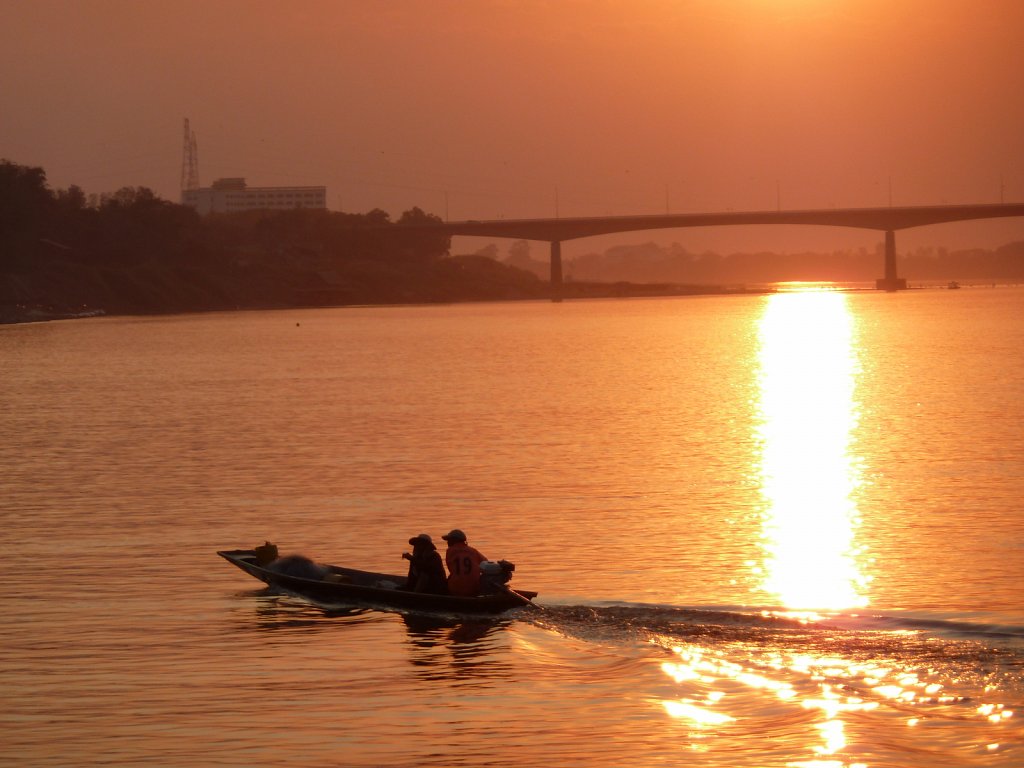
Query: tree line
[(64, 252)]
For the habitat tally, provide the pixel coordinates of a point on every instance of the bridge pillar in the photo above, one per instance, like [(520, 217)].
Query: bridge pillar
[(556, 270), (890, 282)]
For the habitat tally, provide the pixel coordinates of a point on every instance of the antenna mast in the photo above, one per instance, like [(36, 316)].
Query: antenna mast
[(189, 160)]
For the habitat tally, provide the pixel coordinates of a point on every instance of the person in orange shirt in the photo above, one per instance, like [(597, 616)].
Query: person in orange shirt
[(463, 565)]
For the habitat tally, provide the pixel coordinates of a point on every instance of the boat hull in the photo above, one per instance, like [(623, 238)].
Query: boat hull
[(348, 586)]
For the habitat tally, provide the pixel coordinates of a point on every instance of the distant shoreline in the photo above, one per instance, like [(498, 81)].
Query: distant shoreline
[(571, 292)]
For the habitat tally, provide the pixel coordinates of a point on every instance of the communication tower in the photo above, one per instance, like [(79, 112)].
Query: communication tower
[(189, 160)]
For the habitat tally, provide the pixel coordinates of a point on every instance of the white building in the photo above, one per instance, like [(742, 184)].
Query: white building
[(232, 195)]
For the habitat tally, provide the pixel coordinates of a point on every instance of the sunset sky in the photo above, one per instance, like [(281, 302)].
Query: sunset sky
[(498, 108)]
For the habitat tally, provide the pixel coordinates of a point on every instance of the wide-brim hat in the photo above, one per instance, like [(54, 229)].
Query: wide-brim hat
[(422, 540)]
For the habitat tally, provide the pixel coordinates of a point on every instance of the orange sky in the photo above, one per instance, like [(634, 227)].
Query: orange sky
[(489, 106)]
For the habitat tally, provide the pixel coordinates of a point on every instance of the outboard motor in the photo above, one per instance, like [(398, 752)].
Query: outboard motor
[(495, 575)]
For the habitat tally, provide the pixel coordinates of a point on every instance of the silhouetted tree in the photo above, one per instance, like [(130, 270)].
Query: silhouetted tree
[(422, 242), (25, 205), (71, 199), (416, 216), (377, 216), (519, 254)]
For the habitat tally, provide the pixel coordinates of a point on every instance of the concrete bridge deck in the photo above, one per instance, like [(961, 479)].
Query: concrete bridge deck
[(883, 219), (887, 219)]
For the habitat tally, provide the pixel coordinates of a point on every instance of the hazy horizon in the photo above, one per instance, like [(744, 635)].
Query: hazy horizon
[(526, 109)]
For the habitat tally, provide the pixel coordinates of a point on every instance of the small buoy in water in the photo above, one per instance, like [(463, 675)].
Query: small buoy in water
[(296, 325)]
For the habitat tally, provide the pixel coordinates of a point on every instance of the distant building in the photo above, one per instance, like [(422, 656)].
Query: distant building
[(232, 195)]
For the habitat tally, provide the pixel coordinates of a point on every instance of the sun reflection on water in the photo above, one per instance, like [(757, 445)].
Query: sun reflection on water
[(832, 687), (808, 375), (809, 474)]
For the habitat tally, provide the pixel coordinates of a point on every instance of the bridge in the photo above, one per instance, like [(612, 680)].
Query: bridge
[(888, 220)]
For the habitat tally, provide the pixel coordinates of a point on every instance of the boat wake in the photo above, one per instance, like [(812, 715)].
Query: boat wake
[(740, 623), (940, 668)]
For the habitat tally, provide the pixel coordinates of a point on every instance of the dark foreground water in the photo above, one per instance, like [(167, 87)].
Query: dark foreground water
[(767, 531)]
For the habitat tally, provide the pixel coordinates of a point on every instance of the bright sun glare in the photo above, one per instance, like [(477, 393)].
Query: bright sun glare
[(808, 372)]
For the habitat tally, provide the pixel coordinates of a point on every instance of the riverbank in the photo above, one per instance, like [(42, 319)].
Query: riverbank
[(44, 312)]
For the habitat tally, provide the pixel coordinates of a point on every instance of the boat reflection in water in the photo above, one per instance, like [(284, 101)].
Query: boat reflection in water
[(456, 648)]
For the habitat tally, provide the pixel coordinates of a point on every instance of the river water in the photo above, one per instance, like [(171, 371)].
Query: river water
[(777, 530)]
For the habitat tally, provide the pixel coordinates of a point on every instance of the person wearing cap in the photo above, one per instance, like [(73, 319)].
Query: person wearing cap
[(463, 565), (426, 572)]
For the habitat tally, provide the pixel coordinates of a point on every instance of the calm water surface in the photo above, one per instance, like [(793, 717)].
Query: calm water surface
[(767, 531)]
